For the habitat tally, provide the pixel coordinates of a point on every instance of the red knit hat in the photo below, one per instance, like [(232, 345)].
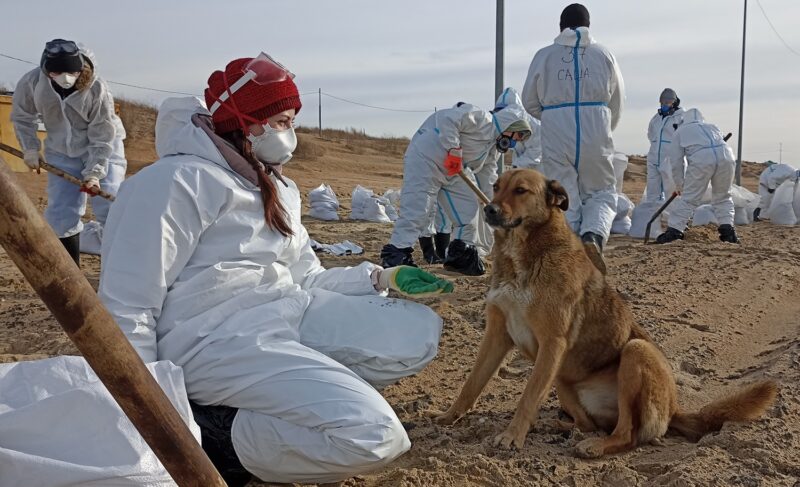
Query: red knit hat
[(253, 99)]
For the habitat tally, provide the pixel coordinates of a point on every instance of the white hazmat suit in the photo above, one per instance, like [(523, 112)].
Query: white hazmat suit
[(575, 88), (770, 179), (84, 139), (192, 274), (707, 159), (659, 175), (474, 131)]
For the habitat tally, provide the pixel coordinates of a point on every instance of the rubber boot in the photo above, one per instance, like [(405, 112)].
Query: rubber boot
[(441, 241), (728, 234), (73, 246), (215, 434), (464, 259), (593, 244), (670, 235), (392, 256), (756, 214), (428, 252)]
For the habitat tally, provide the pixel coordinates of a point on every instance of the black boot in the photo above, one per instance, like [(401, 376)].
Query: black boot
[(215, 433), (391, 256), (593, 244), (756, 214), (728, 234), (594, 239), (464, 259), (428, 252), (670, 235), (73, 246), (441, 241)]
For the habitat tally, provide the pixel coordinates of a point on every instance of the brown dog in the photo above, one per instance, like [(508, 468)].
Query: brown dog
[(547, 298)]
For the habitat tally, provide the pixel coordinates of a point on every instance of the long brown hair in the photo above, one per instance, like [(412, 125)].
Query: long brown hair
[(275, 214)]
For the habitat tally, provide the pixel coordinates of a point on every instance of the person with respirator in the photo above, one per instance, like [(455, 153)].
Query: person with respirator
[(207, 264), (84, 136)]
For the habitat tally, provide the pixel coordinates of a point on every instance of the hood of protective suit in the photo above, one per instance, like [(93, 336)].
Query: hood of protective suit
[(509, 96), (568, 37), (692, 115), (504, 116), (183, 127)]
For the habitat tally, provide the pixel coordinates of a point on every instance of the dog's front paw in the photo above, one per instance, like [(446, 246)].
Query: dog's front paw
[(445, 418), (590, 448), (510, 439)]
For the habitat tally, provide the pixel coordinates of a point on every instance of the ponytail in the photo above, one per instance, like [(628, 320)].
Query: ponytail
[(275, 215)]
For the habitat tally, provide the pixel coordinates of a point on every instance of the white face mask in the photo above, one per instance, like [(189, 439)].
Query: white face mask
[(65, 80), (273, 146)]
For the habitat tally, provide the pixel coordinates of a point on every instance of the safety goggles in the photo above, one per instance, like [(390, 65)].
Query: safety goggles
[(60, 46), (261, 70)]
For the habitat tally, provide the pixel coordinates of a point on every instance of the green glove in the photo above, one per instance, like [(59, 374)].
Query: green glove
[(413, 282)]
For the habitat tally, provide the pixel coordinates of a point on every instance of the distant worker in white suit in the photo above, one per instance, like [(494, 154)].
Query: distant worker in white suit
[(659, 132), (699, 155), (575, 88), (84, 136), (772, 177), (466, 138)]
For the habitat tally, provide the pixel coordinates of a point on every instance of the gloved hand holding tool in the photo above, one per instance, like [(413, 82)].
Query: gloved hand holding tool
[(27, 156), (412, 282)]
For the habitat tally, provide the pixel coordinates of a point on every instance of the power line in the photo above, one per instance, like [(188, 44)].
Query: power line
[(109, 81), (375, 107), (786, 44)]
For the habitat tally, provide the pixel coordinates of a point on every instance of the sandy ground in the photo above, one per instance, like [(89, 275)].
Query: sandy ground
[(724, 314)]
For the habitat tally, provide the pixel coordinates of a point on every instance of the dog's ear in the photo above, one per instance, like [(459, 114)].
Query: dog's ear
[(557, 195)]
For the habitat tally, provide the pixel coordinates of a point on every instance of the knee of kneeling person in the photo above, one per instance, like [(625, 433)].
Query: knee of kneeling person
[(371, 445)]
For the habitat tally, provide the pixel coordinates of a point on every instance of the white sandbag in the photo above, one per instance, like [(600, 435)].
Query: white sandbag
[(59, 426), (391, 212), (324, 203), (393, 195), (744, 203), (641, 215), (622, 222), (781, 210), (366, 206), (91, 238), (620, 162), (703, 215), (796, 203)]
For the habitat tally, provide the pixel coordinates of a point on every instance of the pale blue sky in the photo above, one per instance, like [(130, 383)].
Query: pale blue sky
[(417, 54)]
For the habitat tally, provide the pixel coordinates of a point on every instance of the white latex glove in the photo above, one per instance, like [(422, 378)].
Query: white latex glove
[(31, 158)]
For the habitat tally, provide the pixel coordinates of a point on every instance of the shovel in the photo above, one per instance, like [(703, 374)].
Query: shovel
[(54, 170), (475, 189)]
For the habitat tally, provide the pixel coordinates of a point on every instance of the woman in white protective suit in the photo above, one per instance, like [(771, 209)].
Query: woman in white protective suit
[(659, 132), (575, 88), (206, 264), (466, 138), (772, 177), (699, 155), (84, 135)]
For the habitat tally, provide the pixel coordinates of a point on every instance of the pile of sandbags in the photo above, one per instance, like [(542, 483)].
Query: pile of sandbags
[(365, 205), (324, 203)]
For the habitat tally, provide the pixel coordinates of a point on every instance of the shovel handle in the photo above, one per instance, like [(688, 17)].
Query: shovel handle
[(475, 189), (656, 215), (54, 170)]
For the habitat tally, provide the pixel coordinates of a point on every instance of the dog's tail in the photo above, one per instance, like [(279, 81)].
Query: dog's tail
[(746, 404)]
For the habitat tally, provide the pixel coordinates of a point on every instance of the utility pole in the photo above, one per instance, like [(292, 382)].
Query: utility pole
[(498, 65), (320, 113), (741, 102)]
